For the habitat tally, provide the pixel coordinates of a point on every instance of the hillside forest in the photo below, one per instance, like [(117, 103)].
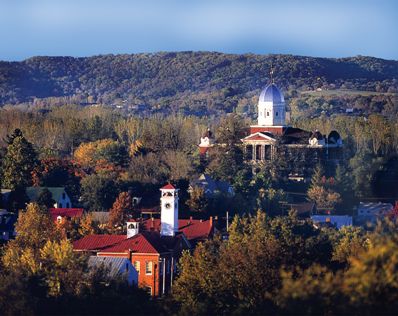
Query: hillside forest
[(109, 128)]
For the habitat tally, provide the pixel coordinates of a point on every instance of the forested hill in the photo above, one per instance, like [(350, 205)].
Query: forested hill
[(190, 82)]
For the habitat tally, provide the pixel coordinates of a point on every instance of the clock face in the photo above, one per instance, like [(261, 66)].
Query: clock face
[(167, 205)]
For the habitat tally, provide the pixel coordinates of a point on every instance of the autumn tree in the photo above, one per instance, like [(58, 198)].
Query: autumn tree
[(198, 201), (322, 190), (120, 210), (105, 153), (18, 162)]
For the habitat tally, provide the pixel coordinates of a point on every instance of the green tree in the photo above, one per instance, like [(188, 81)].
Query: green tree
[(18, 162), (98, 192), (45, 198)]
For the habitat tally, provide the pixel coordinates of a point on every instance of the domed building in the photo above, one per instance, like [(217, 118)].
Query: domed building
[(272, 137)]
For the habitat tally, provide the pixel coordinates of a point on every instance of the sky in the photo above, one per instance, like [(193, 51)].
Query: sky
[(324, 28)]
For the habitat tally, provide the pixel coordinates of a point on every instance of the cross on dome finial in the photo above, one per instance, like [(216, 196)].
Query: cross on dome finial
[(271, 73)]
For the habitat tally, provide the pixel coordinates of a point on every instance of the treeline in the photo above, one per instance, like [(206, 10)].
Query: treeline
[(286, 266), (200, 83), (97, 153)]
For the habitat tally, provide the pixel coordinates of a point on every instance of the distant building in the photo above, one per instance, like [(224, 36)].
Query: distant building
[(7, 225), (59, 195), (212, 187), (337, 221), (116, 268), (206, 142), (370, 212), (60, 214), (304, 209), (272, 137)]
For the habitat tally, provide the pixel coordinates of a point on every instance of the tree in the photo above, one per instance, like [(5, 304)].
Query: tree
[(322, 190), (120, 210), (19, 161), (102, 154), (98, 192), (45, 198), (198, 201)]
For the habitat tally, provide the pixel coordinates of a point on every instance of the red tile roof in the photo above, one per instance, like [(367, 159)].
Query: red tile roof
[(65, 212), (145, 242), (168, 187), (193, 229)]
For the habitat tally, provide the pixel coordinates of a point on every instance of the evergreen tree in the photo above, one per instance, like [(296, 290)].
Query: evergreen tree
[(45, 198), (19, 162)]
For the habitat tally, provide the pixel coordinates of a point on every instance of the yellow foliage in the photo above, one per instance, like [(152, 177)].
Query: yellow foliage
[(87, 153)]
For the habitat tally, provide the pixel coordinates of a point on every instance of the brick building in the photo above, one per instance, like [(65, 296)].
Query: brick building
[(154, 246)]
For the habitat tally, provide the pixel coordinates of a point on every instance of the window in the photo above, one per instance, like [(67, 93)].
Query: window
[(148, 289), (267, 113), (148, 267), (63, 196), (276, 113), (137, 266), (60, 205), (67, 205), (127, 267)]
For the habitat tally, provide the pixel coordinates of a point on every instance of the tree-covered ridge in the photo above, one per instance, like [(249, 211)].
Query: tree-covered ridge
[(190, 82)]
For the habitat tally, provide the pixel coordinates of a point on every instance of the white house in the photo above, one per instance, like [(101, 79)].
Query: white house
[(59, 195)]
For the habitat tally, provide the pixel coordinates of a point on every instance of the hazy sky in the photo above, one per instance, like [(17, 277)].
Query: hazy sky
[(333, 28)]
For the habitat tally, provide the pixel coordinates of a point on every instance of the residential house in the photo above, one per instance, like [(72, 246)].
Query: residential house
[(212, 187), (116, 268), (59, 195)]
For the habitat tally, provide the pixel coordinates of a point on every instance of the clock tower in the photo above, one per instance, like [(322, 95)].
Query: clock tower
[(169, 210)]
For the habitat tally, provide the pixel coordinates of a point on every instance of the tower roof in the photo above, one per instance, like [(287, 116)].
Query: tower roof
[(168, 187), (271, 93)]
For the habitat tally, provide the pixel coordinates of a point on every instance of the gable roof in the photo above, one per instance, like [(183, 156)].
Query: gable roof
[(209, 184), (144, 242), (168, 187), (193, 229), (65, 212), (259, 136), (34, 192)]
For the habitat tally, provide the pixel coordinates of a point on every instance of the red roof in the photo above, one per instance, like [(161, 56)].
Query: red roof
[(97, 242), (168, 187), (65, 212), (145, 242), (193, 229)]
